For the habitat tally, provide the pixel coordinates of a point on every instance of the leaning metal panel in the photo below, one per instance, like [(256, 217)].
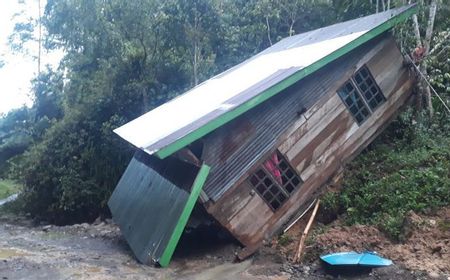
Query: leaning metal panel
[(147, 205)]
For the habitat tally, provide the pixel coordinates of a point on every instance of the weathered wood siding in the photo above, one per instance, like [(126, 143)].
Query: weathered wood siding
[(233, 149), (317, 144)]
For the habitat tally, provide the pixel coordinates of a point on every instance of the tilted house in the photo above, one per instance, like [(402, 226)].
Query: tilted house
[(255, 144)]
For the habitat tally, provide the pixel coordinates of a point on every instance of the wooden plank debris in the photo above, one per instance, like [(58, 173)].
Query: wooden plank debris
[(301, 244)]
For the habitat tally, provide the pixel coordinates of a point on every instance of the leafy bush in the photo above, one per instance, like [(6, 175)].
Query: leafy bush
[(405, 169), (330, 207), (68, 177)]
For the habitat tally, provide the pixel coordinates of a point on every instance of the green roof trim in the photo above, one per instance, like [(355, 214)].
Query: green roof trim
[(272, 91), (182, 221)]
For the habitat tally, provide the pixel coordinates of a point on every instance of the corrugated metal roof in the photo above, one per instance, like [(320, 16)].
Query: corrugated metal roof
[(222, 98), (147, 204)]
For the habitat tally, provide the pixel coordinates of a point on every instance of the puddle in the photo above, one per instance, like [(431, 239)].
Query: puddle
[(94, 269), (53, 235), (224, 272), (10, 253)]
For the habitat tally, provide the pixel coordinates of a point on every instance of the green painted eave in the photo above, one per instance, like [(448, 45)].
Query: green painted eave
[(277, 88), (184, 217)]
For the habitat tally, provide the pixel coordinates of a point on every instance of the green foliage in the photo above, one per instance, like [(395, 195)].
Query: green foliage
[(439, 67), (284, 240), (437, 61), (22, 127), (8, 187), (407, 168), (15, 136), (330, 207), (70, 175)]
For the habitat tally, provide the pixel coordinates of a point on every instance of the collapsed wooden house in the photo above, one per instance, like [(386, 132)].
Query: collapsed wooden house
[(255, 144)]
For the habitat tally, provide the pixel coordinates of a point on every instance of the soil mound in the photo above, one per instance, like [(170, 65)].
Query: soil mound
[(426, 246)]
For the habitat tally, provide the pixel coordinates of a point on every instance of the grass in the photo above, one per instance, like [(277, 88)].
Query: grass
[(8, 187), (406, 169)]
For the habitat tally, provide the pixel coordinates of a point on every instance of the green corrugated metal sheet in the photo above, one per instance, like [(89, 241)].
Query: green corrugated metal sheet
[(152, 208)]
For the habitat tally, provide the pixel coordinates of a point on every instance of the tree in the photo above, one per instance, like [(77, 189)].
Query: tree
[(39, 37), (15, 135), (197, 25), (24, 37), (423, 46)]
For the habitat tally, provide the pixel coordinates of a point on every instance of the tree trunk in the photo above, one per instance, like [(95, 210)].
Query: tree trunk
[(426, 44), (424, 89), (417, 31), (196, 47), (430, 26), (291, 28), (39, 38), (419, 97), (268, 30), (145, 100), (196, 51)]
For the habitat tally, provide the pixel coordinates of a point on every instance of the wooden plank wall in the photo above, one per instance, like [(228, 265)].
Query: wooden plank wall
[(317, 145)]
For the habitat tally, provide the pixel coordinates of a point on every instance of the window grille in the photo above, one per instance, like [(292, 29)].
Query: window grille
[(361, 95), (275, 180), (369, 88), (354, 102)]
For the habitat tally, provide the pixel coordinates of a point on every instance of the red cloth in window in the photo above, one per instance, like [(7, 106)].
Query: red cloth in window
[(271, 165)]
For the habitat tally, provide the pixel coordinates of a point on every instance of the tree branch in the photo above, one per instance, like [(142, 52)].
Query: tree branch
[(438, 45), (268, 30), (416, 30)]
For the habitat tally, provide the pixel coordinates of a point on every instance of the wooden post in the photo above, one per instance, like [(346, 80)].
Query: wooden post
[(301, 244)]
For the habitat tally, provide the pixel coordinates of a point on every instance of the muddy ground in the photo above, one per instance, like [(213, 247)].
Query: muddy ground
[(98, 251)]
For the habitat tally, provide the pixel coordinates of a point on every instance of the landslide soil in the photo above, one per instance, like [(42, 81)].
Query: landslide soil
[(425, 248)]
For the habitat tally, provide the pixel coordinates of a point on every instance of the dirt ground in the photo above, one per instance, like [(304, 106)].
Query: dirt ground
[(98, 251), (426, 247)]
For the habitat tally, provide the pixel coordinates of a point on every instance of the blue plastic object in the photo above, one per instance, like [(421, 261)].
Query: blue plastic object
[(367, 259)]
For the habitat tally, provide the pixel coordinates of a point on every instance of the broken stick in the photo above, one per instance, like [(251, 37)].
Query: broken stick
[(301, 244)]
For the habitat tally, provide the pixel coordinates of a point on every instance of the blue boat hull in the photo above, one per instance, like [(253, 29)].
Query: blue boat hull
[(367, 259)]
